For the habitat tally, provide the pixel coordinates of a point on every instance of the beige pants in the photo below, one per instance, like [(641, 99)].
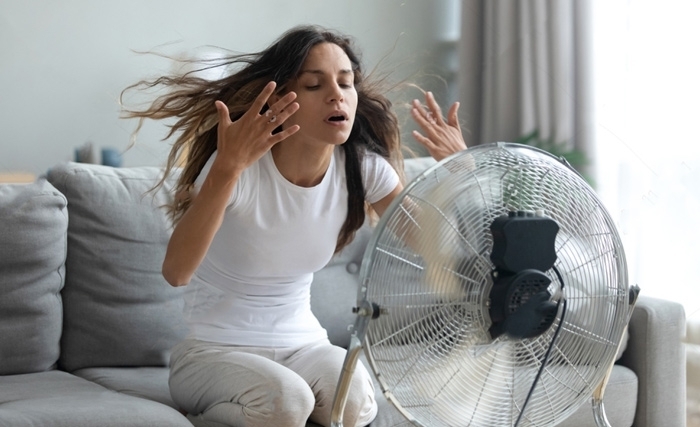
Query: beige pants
[(220, 385)]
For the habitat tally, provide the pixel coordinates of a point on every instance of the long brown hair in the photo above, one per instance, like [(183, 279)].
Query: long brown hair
[(190, 100)]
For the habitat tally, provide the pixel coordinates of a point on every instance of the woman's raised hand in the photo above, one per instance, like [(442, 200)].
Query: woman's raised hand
[(243, 142), (441, 138)]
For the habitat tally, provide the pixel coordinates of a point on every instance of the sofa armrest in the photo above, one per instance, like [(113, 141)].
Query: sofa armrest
[(656, 353)]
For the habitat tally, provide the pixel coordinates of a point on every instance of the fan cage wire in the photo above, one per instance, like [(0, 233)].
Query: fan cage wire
[(432, 353)]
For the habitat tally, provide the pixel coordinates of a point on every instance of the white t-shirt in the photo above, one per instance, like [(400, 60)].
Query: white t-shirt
[(253, 286)]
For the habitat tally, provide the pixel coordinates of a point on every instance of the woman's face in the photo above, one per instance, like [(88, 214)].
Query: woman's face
[(326, 95)]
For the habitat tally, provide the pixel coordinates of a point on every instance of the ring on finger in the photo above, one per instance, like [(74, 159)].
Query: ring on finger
[(271, 117)]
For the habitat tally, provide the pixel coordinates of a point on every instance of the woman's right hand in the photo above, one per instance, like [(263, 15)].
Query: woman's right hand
[(243, 142)]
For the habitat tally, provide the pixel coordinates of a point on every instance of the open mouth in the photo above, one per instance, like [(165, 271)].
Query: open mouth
[(337, 117)]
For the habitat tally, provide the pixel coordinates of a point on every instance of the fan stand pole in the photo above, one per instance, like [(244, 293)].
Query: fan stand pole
[(601, 420), (341, 393)]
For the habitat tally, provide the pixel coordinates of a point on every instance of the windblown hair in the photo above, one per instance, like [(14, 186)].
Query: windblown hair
[(190, 100)]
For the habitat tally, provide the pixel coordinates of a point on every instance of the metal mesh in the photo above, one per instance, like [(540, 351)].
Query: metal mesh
[(429, 268)]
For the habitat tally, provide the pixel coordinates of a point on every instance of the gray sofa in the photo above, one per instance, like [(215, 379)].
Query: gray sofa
[(87, 321)]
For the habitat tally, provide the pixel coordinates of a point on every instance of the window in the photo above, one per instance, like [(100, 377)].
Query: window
[(647, 77)]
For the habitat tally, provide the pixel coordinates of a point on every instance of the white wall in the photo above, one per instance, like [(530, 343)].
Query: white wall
[(64, 63)]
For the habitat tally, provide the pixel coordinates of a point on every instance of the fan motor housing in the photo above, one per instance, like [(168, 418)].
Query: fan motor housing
[(523, 240), (523, 249)]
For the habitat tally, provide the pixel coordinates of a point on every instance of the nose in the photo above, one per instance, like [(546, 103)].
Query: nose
[(335, 93)]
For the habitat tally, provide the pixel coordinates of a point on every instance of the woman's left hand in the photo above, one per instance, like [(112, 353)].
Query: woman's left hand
[(441, 138)]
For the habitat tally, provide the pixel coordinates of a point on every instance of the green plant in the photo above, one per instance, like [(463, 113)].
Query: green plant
[(576, 158)]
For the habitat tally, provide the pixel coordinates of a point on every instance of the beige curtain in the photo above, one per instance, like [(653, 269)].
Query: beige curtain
[(525, 66)]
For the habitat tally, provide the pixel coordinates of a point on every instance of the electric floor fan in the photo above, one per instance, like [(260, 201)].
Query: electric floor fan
[(494, 292)]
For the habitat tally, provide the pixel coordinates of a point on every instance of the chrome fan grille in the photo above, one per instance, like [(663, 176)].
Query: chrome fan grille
[(428, 268)]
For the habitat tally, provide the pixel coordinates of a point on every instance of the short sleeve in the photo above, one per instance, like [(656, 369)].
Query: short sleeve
[(203, 175), (379, 177)]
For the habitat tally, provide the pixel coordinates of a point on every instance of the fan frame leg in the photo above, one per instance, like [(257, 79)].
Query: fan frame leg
[(353, 354), (599, 416), (601, 420)]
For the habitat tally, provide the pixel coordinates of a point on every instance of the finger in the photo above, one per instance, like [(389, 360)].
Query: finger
[(426, 142), (434, 108), (276, 112), (262, 98), (277, 119), (222, 112), (452, 116), (283, 103), (288, 111), (420, 116), (281, 136), (419, 111)]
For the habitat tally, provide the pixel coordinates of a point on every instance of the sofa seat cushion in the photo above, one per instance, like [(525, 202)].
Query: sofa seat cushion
[(59, 399), (33, 226), (620, 402), (145, 382), (119, 311)]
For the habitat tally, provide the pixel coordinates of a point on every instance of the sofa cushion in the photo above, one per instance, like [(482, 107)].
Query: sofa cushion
[(146, 382), (334, 291), (620, 402), (59, 399), (657, 353), (33, 224), (119, 311)]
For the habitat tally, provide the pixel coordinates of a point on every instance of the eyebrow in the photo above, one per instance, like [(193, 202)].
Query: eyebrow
[(321, 72)]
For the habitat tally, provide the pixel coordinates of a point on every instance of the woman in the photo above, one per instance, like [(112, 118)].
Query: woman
[(282, 158)]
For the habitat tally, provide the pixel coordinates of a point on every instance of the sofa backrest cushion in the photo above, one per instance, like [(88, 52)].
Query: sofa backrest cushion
[(334, 291), (33, 226), (119, 311)]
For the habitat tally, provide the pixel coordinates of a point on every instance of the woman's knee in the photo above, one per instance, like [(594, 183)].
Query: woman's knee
[(291, 402), (236, 388), (361, 406), (282, 401), (321, 366)]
